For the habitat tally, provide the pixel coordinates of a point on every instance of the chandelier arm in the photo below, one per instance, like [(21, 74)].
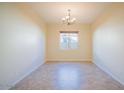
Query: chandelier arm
[(68, 19)]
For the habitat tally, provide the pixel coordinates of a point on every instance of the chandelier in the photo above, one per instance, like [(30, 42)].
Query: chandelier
[(67, 19)]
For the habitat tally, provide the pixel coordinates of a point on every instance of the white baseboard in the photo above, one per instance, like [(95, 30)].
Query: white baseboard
[(21, 78), (5, 87), (108, 72), (69, 60)]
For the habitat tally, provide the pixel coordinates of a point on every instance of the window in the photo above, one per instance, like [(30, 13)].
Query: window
[(69, 39)]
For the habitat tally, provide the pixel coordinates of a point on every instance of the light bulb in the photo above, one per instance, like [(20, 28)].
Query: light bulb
[(74, 19), (63, 19), (67, 17)]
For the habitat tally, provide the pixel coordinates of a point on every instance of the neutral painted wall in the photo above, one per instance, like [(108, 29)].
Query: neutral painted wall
[(22, 46), (108, 42), (54, 53)]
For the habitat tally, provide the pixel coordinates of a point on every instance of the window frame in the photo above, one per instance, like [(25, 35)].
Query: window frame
[(69, 48)]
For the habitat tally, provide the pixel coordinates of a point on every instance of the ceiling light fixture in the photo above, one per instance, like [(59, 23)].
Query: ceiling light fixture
[(68, 20)]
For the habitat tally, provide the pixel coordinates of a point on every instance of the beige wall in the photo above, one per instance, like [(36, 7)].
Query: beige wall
[(108, 42), (54, 53), (23, 37), (22, 46)]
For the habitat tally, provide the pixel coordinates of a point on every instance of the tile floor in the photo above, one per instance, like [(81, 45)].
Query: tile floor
[(68, 76)]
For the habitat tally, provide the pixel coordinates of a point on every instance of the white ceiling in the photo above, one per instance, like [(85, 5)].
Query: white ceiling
[(84, 12)]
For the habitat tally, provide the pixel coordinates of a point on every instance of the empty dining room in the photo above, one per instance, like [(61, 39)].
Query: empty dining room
[(61, 46)]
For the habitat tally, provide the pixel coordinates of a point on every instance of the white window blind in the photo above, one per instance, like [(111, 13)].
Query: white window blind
[(69, 39)]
